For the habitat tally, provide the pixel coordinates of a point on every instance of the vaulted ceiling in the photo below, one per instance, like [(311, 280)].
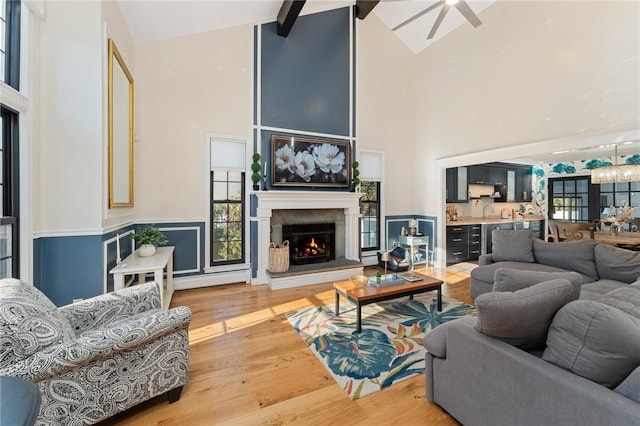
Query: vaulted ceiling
[(156, 20)]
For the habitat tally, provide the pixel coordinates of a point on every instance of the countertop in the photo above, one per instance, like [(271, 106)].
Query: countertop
[(468, 220)]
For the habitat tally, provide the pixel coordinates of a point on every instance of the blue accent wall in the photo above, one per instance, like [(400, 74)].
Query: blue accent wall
[(67, 268), (305, 76)]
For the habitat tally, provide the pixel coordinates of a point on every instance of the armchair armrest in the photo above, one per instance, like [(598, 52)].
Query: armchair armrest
[(485, 259), (100, 344), (107, 308)]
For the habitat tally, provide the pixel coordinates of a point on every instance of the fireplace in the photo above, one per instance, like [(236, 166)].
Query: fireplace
[(310, 243)]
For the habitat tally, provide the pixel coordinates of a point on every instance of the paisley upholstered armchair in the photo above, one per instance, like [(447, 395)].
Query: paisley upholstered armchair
[(94, 358)]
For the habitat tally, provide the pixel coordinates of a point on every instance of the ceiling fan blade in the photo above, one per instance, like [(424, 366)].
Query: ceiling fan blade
[(466, 11), (414, 17), (439, 19)]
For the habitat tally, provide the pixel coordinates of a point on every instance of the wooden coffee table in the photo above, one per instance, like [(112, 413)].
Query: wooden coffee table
[(371, 294)]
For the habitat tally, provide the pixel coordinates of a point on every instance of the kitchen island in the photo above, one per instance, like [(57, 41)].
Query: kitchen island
[(469, 237)]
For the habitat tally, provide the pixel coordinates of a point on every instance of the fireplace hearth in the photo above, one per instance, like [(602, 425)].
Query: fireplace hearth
[(310, 242)]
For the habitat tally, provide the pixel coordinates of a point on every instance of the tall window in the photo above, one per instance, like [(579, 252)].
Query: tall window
[(570, 199), (9, 194), (370, 220), (615, 194), (227, 217), (10, 42)]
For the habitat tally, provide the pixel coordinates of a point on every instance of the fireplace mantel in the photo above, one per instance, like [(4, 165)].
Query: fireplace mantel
[(268, 201), (274, 200)]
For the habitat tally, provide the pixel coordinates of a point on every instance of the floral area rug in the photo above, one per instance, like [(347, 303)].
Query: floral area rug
[(389, 348)]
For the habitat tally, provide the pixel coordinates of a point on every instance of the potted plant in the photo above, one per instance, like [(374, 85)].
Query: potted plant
[(148, 238), (356, 173), (255, 168)]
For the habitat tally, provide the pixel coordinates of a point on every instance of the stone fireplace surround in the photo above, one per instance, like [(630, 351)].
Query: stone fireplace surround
[(276, 208)]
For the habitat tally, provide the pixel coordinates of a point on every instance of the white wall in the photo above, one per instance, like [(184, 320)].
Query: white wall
[(187, 87), (115, 29), (385, 105), (533, 71), (68, 138)]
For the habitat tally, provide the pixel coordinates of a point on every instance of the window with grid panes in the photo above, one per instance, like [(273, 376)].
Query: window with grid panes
[(8, 194), (370, 219), (227, 217), (10, 42), (615, 194), (569, 199)]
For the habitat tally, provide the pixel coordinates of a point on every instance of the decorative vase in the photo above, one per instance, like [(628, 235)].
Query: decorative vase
[(615, 229), (147, 250)]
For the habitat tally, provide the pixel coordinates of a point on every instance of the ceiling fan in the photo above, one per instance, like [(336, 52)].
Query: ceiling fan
[(461, 5)]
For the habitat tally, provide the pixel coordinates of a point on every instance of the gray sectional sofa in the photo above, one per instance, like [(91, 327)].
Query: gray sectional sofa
[(556, 340)]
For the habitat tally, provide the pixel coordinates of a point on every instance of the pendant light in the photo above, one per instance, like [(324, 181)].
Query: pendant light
[(616, 173)]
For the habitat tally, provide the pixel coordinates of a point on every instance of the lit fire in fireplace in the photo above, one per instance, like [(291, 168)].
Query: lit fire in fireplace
[(312, 249)]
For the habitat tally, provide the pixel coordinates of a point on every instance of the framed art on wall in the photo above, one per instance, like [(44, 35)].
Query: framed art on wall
[(299, 161)]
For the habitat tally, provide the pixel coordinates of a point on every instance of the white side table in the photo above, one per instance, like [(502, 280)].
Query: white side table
[(421, 243), (135, 264)]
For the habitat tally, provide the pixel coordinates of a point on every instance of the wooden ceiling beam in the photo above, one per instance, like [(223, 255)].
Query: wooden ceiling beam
[(363, 7), (289, 12)]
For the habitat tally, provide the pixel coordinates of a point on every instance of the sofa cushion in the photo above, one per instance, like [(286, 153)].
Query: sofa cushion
[(596, 289), (595, 341), (618, 264), (626, 298), (29, 322), (630, 387), (522, 318), (487, 273), (436, 340), (515, 246), (514, 279), (571, 255)]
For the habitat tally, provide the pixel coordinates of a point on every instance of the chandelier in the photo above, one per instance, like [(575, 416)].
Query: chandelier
[(616, 173)]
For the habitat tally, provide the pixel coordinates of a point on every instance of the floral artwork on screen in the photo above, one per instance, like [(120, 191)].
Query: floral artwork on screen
[(298, 161)]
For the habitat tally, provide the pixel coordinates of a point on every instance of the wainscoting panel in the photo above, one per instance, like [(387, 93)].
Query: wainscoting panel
[(68, 268)]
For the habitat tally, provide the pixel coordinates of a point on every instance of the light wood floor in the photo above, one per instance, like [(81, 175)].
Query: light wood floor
[(248, 366)]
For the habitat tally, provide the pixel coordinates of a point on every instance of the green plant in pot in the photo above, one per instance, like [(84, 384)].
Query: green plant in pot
[(356, 173), (148, 238), (255, 169)]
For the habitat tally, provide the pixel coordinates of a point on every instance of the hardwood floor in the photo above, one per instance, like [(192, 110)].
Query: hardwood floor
[(248, 366)]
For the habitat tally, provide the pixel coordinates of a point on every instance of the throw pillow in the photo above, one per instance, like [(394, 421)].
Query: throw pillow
[(514, 246), (572, 255), (618, 264), (595, 341), (29, 322), (513, 279), (522, 318)]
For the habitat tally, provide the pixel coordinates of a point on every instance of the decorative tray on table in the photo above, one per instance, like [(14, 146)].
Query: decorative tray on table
[(389, 279)]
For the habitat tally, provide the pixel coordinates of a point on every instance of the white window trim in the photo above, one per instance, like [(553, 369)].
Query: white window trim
[(209, 268)]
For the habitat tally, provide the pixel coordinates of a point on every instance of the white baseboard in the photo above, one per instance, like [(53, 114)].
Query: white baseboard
[(314, 278), (208, 280)]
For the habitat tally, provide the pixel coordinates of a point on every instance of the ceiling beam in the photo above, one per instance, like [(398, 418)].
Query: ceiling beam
[(363, 7), (289, 12)]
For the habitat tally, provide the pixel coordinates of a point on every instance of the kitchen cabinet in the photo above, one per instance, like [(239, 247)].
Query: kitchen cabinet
[(523, 184), (479, 175), (457, 185), (464, 242), (457, 243), (475, 242), (497, 176)]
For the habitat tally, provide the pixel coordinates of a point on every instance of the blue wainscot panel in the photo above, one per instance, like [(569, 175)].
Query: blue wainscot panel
[(188, 240), (426, 226), (67, 268)]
